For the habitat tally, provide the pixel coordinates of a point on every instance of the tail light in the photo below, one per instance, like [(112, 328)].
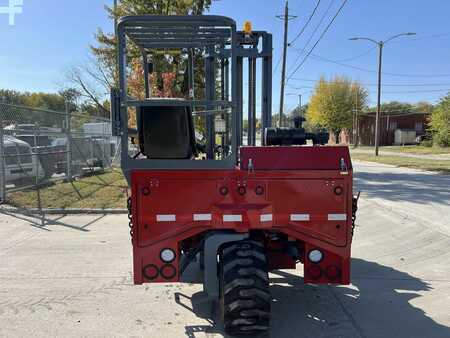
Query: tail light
[(314, 272), (168, 271), (150, 271), (332, 272)]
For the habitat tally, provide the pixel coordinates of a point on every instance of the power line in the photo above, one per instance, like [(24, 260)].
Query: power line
[(384, 92), (320, 58), (314, 31), (306, 23), (358, 56), (417, 91), (384, 84), (319, 39), (277, 65)]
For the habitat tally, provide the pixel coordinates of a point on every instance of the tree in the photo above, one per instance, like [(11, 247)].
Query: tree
[(333, 103), (440, 122), (166, 80), (92, 84), (24, 115), (106, 48), (393, 106)]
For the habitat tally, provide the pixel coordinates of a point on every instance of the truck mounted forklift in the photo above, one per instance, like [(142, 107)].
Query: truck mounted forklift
[(236, 204)]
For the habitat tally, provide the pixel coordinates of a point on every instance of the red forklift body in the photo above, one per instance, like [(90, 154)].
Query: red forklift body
[(200, 198), (282, 191)]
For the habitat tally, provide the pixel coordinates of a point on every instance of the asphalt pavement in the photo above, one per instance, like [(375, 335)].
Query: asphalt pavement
[(72, 277)]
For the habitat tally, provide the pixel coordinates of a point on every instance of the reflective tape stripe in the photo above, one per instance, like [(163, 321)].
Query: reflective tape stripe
[(232, 218), (266, 218), (166, 218), (202, 217), (300, 217), (337, 217)]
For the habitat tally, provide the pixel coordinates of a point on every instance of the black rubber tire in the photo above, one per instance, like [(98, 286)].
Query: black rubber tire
[(244, 289)]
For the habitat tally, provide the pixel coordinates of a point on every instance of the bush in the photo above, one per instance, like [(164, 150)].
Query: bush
[(440, 123), (427, 143)]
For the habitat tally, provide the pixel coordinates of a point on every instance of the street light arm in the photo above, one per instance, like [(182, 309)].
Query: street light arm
[(368, 39), (397, 36)]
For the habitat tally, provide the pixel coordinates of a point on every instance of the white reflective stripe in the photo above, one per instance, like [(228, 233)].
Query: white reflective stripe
[(299, 217), (202, 217), (232, 218), (166, 218), (266, 218), (337, 217)]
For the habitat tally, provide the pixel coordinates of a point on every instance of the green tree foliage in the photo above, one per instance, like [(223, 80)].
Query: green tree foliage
[(48, 102), (393, 106), (105, 49), (333, 103), (440, 122), (105, 52)]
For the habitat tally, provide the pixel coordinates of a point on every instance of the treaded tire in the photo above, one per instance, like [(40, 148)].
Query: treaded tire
[(244, 289)]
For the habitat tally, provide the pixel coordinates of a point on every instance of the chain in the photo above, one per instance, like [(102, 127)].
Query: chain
[(130, 217), (354, 210)]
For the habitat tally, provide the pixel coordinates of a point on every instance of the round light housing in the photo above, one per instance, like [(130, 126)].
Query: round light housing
[(315, 256), (167, 255)]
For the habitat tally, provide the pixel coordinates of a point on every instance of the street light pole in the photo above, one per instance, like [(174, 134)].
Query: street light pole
[(380, 45), (378, 116)]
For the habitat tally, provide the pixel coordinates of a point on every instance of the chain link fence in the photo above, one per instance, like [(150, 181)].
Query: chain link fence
[(39, 147)]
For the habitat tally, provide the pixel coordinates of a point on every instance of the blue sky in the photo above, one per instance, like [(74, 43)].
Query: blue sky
[(50, 36)]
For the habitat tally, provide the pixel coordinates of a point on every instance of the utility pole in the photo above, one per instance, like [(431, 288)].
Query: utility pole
[(300, 104), (286, 19), (356, 122)]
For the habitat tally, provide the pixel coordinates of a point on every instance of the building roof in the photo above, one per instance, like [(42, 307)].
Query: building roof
[(395, 113)]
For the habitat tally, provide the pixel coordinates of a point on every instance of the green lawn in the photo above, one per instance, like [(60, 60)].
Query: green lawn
[(106, 190), (411, 149), (442, 166)]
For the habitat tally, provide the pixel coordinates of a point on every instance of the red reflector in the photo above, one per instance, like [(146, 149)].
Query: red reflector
[(150, 271), (332, 271), (168, 271), (314, 272), (242, 191)]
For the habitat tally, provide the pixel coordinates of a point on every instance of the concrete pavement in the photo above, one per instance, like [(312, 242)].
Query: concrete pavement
[(72, 278)]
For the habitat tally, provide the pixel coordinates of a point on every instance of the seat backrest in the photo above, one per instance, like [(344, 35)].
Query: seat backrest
[(166, 132)]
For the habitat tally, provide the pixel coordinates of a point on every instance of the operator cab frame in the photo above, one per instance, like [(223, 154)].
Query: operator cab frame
[(223, 50)]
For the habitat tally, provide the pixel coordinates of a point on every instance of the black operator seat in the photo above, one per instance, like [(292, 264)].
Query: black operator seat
[(166, 132)]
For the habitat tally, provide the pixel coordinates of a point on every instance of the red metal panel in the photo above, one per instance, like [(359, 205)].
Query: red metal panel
[(170, 206), (295, 158)]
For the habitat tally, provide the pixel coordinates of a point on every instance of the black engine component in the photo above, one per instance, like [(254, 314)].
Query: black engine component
[(293, 136), (166, 132)]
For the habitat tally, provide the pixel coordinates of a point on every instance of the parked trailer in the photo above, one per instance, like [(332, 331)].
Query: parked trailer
[(240, 212), (20, 163)]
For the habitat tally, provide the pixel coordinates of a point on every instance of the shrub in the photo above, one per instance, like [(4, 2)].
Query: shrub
[(440, 123), (427, 143)]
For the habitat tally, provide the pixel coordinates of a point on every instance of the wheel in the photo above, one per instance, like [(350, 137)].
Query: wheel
[(244, 287)]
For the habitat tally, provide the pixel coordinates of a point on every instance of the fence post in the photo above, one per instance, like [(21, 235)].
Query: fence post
[(2, 168), (69, 143), (37, 182)]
